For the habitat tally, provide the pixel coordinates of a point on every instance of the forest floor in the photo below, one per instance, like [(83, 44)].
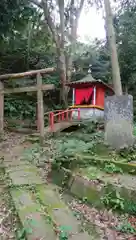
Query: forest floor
[(33, 208)]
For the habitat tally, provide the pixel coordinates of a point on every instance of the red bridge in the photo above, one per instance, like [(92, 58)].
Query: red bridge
[(61, 119)]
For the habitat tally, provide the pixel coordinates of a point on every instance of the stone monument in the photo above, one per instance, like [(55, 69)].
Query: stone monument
[(118, 116)]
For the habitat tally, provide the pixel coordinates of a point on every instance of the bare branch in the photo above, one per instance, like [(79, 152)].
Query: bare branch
[(50, 23), (37, 3), (62, 23), (80, 9), (67, 13)]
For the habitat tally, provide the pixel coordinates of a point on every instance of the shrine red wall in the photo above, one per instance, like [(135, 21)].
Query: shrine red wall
[(100, 95)]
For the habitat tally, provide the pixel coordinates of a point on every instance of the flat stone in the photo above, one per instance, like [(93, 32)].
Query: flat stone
[(15, 162), (33, 220), (24, 175), (62, 215)]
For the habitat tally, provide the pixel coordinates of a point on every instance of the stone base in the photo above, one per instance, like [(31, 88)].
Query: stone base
[(118, 114), (88, 114)]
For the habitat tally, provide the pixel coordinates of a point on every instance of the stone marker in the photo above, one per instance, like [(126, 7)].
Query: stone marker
[(118, 115)]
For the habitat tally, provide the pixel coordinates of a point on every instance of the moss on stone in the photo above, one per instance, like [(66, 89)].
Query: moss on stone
[(93, 192)]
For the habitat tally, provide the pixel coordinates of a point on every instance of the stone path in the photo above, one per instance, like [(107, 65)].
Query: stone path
[(41, 210)]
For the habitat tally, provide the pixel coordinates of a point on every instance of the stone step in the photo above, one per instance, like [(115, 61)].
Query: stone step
[(24, 175), (15, 162), (31, 215), (126, 180), (93, 184), (62, 215)]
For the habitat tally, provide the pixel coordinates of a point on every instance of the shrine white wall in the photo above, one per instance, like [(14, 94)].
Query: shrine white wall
[(88, 113)]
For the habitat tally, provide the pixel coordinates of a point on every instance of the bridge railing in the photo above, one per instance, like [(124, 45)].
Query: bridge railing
[(61, 115)]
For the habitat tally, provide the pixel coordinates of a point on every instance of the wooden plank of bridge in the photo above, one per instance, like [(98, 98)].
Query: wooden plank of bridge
[(60, 126)]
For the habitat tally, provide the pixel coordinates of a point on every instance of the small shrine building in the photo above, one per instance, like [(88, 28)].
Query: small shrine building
[(89, 95)]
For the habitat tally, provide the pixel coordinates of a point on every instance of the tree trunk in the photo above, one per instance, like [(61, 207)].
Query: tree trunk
[(61, 54), (62, 73), (118, 109), (113, 49)]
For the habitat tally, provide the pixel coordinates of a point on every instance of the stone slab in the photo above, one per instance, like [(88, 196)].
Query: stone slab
[(32, 218), (16, 162), (62, 215), (86, 189), (118, 115), (24, 175)]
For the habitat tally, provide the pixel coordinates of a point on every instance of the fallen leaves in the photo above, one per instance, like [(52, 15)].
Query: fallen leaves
[(105, 220)]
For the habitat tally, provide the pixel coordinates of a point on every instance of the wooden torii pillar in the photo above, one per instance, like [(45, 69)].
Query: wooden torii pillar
[(40, 108), (1, 108)]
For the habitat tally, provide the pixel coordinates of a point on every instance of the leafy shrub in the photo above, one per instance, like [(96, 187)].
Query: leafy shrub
[(126, 228), (112, 168), (114, 200), (73, 146)]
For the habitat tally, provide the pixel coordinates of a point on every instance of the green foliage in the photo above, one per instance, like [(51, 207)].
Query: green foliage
[(13, 14), (34, 154), (134, 130), (128, 153), (24, 108), (126, 27), (82, 142), (95, 55), (73, 146), (63, 235), (66, 152), (126, 228), (21, 234), (114, 200), (130, 207), (112, 168)]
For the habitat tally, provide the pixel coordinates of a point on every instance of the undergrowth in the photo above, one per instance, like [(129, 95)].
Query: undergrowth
[(116, 202), (88, 140), (112, 168), (126, 227), (82, 141)]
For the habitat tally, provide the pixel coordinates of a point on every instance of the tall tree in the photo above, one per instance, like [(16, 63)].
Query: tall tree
[(62, 19), (113, 49), (125, 25), (11, 15)]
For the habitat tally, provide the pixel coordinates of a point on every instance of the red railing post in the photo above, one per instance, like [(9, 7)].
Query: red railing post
[(59, 116), (62, 114), (78, 113), (67, 112), (71, 114), (51, 121)]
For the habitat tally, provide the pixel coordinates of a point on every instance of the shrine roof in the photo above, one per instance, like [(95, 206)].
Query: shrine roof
[(89, 80)]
